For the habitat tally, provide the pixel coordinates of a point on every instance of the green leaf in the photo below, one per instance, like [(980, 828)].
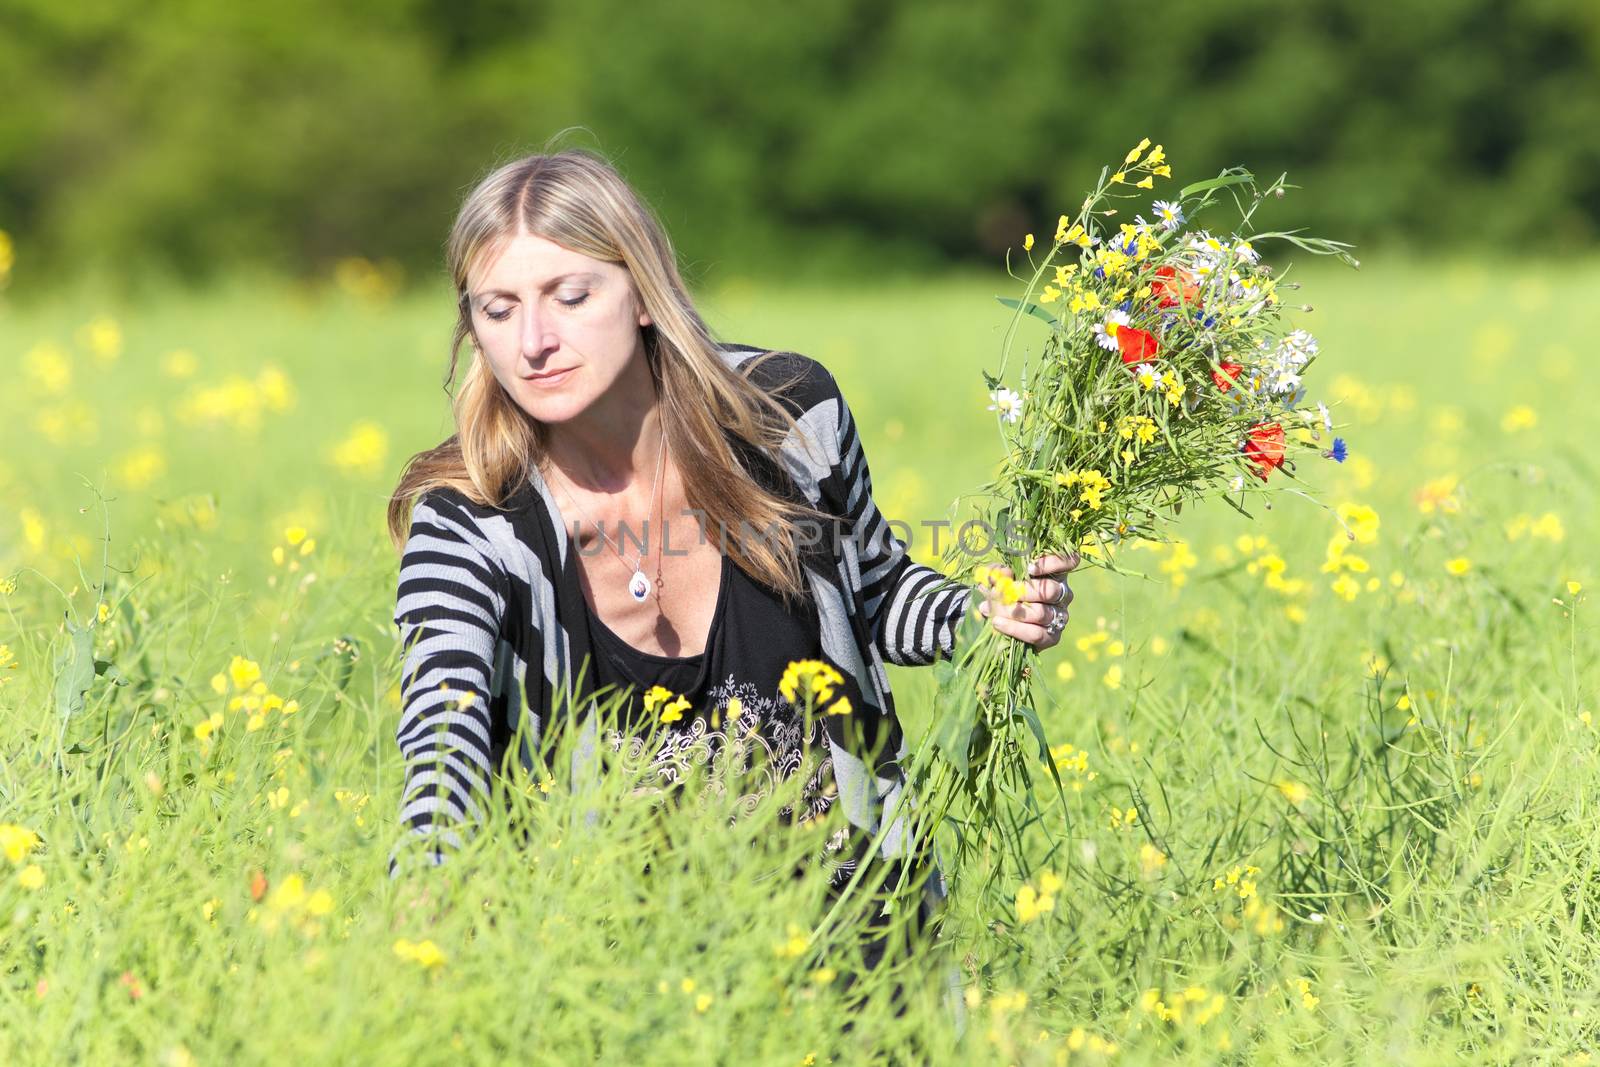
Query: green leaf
[(74, 669), (1033, 309), (1237, 176), (1037, 727)]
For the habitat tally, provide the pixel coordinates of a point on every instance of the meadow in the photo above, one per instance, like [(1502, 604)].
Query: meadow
[(1328, 794)]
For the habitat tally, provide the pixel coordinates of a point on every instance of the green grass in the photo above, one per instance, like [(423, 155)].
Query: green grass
[(1434, 888)]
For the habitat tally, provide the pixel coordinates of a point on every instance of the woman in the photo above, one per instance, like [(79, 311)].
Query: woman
[(596, 407)]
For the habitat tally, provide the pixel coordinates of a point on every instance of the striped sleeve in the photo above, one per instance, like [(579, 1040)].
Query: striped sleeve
[(449, 606), (912, 610)]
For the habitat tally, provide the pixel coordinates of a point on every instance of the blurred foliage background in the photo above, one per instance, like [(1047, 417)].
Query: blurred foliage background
[(186, 139)]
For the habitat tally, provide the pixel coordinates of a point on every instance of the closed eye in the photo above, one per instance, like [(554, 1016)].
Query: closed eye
[(501, 316)]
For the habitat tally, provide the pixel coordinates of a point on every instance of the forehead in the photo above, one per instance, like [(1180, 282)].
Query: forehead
[(527, 261)]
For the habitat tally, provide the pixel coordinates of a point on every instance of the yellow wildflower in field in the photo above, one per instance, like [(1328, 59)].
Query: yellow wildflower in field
[(1113, 677), (31, 877), (1521, 417), (1308, 1001), (794, 943), (1179, 562), (1033, 902), (1294, 792), (1548, 527), (363, 449), (1458, 566), (812, 680), (102, 337), (180, 363), (1240, 879), (1151, 860), (8, 257), (142, 466), (8, 662), (17, 841), (1361, 522), (244, 672), (423, 953), (48, 367), (672, 706), (1439, 495), (207, 726)]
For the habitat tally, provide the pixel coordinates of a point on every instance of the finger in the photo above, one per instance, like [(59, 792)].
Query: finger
[(1048, 590), (1026, 632), (1053, 564)]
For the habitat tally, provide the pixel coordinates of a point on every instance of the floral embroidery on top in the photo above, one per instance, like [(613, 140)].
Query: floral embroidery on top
[(767, 743)]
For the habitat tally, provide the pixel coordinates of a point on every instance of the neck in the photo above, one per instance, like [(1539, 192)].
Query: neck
[(615, 442)]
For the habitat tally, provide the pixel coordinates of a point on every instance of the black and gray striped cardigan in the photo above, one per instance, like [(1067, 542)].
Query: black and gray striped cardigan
[(484, 592)]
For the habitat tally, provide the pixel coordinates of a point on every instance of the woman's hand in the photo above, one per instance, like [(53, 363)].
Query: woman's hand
[(1040, 613)]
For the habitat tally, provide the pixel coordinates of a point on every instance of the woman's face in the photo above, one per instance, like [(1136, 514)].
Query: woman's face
[(557, 327)]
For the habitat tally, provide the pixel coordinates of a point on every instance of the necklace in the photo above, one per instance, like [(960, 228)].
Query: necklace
[(638, 584)]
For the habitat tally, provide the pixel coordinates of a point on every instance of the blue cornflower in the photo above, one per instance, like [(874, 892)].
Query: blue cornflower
[(1338, 452)]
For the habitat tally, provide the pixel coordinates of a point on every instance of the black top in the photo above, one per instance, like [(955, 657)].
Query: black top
[(752, 640)]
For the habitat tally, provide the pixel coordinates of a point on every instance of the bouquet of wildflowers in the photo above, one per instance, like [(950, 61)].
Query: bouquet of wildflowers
[(1168, 374)]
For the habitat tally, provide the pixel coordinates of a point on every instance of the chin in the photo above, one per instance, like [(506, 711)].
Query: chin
[(552, 406)]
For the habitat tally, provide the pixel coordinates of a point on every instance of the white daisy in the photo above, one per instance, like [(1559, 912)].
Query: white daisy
[(1146, 375), (1105, 333), (1007, 402), (1327, 416), (1245, 252), (1168, 213), (1298, 347)]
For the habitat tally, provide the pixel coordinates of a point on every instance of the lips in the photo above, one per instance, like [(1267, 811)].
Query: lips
[(549, 376)]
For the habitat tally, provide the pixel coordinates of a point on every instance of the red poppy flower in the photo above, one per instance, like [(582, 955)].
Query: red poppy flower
[(1264, 447), (1173, 286), (1225, 375), (1138, 346)]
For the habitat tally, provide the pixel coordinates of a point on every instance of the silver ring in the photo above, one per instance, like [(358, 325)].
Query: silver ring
[(1062, 598), (1057, 623)]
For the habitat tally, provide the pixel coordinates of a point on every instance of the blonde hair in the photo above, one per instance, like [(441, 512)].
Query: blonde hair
[(576, 199)]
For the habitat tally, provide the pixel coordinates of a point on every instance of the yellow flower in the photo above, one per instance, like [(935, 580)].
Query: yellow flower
[(1361, 520), (1151, 860), (1458, 566), (794, 943), (810, 679), (1574, 588), (674, 711), (1031, 903), (1147, 182), (363, 450), (1113, 677), (243, 672), (31, 876), (1294, 792), (424, 953), (1027, 243), (1521, 417), (17, 841), (288, 894)]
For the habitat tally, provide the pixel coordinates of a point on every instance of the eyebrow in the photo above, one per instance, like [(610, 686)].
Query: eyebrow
[(546, 287)]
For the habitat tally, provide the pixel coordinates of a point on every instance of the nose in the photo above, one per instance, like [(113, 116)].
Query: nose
[(535, 339)]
